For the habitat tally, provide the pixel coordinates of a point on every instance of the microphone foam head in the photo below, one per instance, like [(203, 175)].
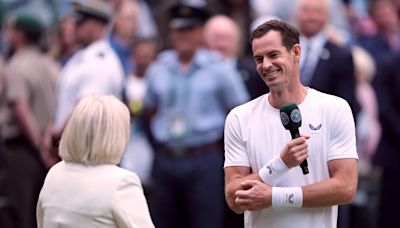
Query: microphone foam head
[(290, 116)]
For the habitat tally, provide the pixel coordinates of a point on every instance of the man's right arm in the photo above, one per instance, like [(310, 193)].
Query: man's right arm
[(234, 176)]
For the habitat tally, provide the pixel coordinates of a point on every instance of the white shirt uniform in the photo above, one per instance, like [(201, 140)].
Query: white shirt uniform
[(254, 134), (95, 70)]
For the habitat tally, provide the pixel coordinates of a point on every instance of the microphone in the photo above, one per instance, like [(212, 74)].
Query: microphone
[(291, 120)]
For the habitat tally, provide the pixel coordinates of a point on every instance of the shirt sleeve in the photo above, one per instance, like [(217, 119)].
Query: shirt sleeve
[(342, 143), (39, 214), (130, 207), (235, 146), (17, 85), (234, 90)]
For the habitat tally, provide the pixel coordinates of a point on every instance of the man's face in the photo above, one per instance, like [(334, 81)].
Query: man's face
[(312, 16), (126, 21), (275, 65), (83, 36), (187, 40), (86, 31), (385, 17), (223, 38)]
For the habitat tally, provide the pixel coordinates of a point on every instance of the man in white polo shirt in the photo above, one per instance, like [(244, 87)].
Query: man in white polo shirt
[(262, 174)]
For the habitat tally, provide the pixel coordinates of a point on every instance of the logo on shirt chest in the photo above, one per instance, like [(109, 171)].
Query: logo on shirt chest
[(316, 128), (313, 128)]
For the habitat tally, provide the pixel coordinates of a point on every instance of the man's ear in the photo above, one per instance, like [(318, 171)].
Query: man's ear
[(296, 52)]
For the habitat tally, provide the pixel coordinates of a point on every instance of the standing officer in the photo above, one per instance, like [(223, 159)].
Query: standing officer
[(189, 94), (30, 78), (96, 68)]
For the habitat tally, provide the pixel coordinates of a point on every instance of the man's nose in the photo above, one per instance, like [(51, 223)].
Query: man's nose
[(266, 63)]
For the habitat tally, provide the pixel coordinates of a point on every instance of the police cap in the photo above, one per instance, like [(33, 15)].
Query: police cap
[(93, 9), (29, 25), (184, 16)]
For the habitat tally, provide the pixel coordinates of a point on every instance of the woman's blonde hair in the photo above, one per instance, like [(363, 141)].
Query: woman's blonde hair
[(97, 131)]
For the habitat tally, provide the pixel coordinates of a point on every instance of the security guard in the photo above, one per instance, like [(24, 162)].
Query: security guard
[(93, 70), (30, 91), (190, 91)]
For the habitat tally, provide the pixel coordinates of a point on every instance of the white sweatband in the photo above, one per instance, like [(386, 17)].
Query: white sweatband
[(287, 197), (273, 171)]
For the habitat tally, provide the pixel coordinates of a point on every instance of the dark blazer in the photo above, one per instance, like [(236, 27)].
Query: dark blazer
[(387, 87), (334, 74), (377, 46)]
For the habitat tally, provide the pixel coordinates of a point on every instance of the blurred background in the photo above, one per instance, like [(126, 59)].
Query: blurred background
[(138, 31)]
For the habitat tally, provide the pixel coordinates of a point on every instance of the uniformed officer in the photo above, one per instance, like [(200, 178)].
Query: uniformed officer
[(30, 91), (93, 70), (190, 91)]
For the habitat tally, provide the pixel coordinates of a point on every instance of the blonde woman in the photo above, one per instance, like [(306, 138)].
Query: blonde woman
[(87, 189)]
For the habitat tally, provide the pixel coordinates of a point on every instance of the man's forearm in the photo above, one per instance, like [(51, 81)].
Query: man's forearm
[(340, 188), (27, 123), (327, 193), (234, 184)]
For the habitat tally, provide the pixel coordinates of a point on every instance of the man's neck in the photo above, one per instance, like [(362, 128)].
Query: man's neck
[(185, 60), (281, 96)]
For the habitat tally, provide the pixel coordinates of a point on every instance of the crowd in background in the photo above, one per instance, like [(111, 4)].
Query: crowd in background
[(350, 48)]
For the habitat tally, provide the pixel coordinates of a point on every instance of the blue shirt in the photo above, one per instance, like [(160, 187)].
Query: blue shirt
[(201, 97), (123, 53)]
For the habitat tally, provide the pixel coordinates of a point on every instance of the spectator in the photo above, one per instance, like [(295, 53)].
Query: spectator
[(386, 41), (222, 35), (65, 44), (387, 84), (138, 156), (124, 32), (87, 189), (31, 97), (320, 56), (368, 127), (189, 93)]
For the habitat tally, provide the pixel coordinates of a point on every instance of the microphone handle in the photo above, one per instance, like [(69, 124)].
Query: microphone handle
[(304, 165)]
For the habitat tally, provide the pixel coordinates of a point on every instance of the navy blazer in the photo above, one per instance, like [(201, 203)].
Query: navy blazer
[(387, 87), (334, 74)]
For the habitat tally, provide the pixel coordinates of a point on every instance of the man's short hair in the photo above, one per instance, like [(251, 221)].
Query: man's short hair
[(290, 35), (97, 131)]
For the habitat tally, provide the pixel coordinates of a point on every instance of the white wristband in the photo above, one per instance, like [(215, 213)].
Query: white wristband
[(273, 171), (287, 197)]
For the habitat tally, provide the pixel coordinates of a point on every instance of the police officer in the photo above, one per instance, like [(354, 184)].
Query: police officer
[(30, 91), (190, 91), (96, 68)]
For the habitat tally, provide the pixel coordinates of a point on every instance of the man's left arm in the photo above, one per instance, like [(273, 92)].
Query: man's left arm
[(340, 188)]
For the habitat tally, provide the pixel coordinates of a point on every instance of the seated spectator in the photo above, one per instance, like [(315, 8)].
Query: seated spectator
[(87, 189)]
